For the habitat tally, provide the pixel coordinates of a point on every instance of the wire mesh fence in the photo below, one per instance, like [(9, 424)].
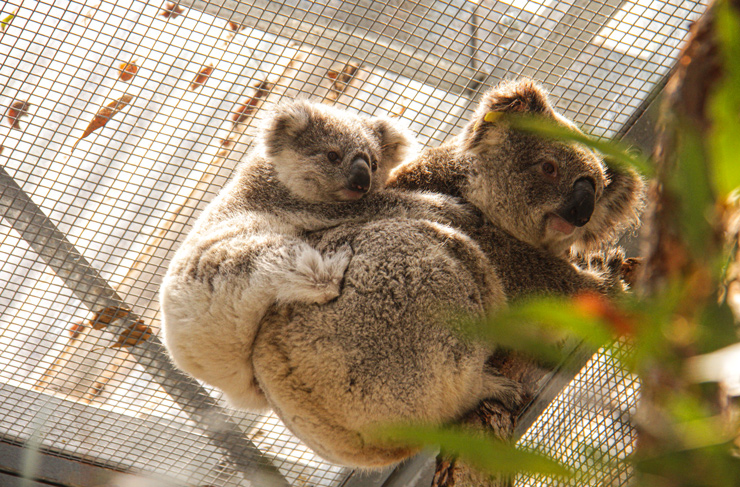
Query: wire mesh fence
[(121, 120)]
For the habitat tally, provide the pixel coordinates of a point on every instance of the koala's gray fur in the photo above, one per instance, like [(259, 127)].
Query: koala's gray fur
[(386, 350), (314, 167)]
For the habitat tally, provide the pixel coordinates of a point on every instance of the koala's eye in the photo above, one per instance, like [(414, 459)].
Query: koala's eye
[(374, 165), (333, 156), (550, 169)]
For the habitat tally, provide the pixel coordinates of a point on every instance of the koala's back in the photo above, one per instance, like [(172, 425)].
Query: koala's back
[(384, 350)]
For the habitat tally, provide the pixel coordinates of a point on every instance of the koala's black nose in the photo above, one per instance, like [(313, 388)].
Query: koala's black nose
[(579, 207), (359, 175)]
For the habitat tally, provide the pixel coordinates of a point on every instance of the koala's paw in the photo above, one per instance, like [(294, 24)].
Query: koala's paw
[(316, 277), (607, 267)]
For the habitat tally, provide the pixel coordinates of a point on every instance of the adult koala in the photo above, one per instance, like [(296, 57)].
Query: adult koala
[(386, 349)]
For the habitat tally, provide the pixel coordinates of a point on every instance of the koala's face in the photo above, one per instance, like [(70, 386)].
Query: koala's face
[(551, 194), (542, 192), (322, 154)]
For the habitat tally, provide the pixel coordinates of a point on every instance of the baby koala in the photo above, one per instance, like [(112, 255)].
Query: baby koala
[(312, 168)]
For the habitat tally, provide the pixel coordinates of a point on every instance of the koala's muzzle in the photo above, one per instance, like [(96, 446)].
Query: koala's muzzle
[(579, 207), (359, 175)]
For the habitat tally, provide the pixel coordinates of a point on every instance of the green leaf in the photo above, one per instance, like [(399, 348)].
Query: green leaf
[(537, 326), (616, 152), (481, 452), (725, 103), (6, 22)]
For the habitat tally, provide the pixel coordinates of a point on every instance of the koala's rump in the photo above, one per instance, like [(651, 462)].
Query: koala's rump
[(386, 350)]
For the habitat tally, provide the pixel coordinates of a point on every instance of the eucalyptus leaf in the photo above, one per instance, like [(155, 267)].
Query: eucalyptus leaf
[(617, 153), (482, 452)]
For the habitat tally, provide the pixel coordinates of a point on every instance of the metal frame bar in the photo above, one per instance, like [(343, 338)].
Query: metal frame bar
[(17, 208), (54, 470)]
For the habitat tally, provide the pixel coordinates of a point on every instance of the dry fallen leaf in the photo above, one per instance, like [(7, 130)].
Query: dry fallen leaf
[(263, 89), (202, 77), (15, 111), (126, 71), (235, 26), (399, 108), (245, 110), (108, 315), (136, 333), (171, 10), (104, 115), (340, 80), (75, 329), (90, 14)]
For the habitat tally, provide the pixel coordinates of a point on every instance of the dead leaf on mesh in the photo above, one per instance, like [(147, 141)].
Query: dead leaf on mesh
[(399, 108), (235, 26), (171, 10), (135, 333), (90, 14), (15, 111), (104, 115), (75, 329), (202, 77), (108, 315), (263, 89), (247, 109), (340, 79), (127, 71), (243, 112)]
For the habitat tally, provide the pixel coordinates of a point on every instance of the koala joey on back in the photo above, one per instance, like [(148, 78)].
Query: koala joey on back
[(386, 350), (312, 168)]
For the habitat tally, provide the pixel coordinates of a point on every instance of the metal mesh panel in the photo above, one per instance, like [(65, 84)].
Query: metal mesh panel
[(588, 426), (90, 217)]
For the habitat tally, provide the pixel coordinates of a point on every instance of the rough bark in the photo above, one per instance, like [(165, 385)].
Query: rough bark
[(667, 255)]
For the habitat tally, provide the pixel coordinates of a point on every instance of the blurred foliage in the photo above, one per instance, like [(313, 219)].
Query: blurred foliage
[(690, 442), (616, 153), (482, 452), (725, 104)]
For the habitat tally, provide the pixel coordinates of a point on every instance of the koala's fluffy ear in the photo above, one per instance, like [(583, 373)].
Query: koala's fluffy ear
[(617, 211), (523, 95), (396, 142), (519, 96), (286, 122)]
